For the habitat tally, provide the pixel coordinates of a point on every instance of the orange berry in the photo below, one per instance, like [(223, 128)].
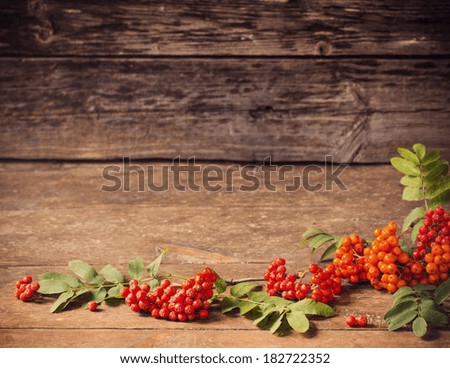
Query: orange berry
[(372, 259), (446, 257), (359, 248), (403, 258), (355, 239), (393, 278), (381, 256), (437, 249), (385, 247), (432, 268), (346, 241), (446, 248), (429, 257), (384, 278), (443, 268), (375, 247), (377, 232), (392, 226), (392, 288), (392, 241), (416, 268), (401, 283), (390, 258), (374, 272), (397, 251), (438, 259), (433, 279), (391, 268), (443, 276)]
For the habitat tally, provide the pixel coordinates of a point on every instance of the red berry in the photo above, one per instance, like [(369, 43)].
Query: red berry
[(203, 314), (165, 283), (351, 321), (125, 291), (34, 286), (92, 306), (156, 313), (361, 321), (27, 280)]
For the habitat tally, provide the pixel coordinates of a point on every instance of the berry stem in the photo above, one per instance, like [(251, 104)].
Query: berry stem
[(231, 282)]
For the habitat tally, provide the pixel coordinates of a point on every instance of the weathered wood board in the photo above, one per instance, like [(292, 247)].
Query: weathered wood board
[(222, 109), (244, 27), (55, 212)]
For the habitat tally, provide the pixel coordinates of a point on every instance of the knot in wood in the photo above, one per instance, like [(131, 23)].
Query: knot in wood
[(323, 48)]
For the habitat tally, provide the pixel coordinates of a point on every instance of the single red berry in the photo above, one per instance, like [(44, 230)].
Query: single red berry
[(34, 286), (361, 321), (125, 291), (135, 307), (164, 313), (182, 317), (92, 306), (203, 314), (155, 313), (351, 321), (313, 268), (145, 287), (27, 280), (173, 316), (165, 283)]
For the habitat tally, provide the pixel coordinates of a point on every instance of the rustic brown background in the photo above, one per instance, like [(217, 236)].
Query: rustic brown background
[(226, 80)]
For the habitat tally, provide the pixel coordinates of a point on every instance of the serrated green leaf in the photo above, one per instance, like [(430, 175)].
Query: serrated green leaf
[(310, 306), (442, 292), (114, 292), (415, 230), (419, 327), (438, 188), (399, 309), (61, 302), (406, 298), (298, 321), (53, 286), (402, 292), (258, 296), (275, 322), (435, 317), (420, 150), (412, 194), (71, 280), (136, 268), (278, 301), (243, 288), (319, 240), (431, 157), (98, 294), (424, 287), (426, 303), (220, 285), (311, 231), (405, 167), (85, 271), (111, 274), (401, 319), (413, 216), (408, 155), (228, 304), (440, 200), (440, 169), (329, 251), (411, 181), (263, 319), (153, 267), (246, 306)]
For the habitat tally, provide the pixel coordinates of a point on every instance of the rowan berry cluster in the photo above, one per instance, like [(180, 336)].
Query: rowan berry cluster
[(25, 288), (353, 321), (322, 287), (168, 301), (349, 260)]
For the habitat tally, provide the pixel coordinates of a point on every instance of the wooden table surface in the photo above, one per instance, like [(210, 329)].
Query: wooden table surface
[(52, 213)]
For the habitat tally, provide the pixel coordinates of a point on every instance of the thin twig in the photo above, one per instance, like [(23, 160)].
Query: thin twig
[(231, 282)]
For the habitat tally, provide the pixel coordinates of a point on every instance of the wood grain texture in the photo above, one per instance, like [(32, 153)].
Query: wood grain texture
[(222, 109), (349, 27), (55, 212)]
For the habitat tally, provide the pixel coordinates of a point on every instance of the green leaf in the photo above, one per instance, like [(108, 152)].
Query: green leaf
[(439, 169), (401, 319), (319, 240), (411, 181), (402, 292), (412, 194), (419, 326), (243, 288), (259, 296), (311, 231), (71, 280), (439, 187), (229, 303), (275, 323), (246, 306), (424, 287), (98, 294), (405, 167), (413, 216), (62, 301), (442, 292), (399, 309), (298, 321), (53, 286), (435, 317), (111, 274), (220, 285), (114, 292), (153, 283), (310, 306), (415, 230), (440, 200), (420, 150), (153, 267), (431, 157), (329, 251), (136, 268), (85, 271), (408, 155)]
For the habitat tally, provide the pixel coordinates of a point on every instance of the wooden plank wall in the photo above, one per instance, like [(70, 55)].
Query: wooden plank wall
[(223, 80)]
